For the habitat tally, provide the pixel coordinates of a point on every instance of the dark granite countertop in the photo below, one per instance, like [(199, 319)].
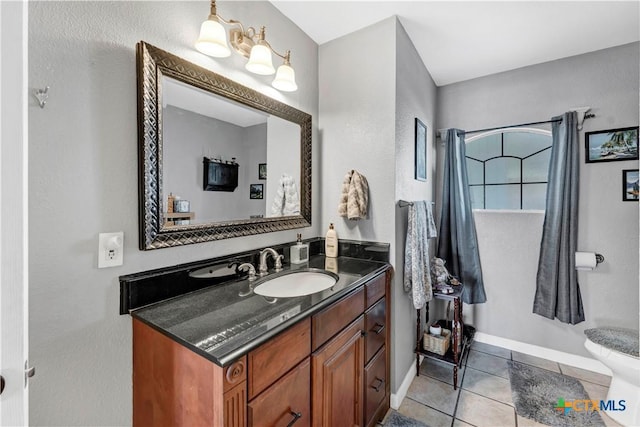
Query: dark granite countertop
[(221, 325)]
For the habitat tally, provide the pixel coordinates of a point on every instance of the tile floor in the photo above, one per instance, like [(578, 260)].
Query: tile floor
[(484, 395)]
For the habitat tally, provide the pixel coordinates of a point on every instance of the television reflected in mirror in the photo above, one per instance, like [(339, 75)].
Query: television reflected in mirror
[(204, 138)]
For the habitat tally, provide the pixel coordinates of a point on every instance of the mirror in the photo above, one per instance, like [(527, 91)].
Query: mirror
[(216, 159)]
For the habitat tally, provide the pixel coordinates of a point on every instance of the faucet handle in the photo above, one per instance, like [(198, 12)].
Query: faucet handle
[(236, 263), (278, 264), (250, 268)]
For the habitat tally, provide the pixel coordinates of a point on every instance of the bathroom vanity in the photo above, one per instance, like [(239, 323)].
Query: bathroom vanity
[(208, 349), (225, 356)]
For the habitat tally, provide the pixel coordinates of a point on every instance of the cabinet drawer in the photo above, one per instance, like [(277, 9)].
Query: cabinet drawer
[(375, 320), (376, 289), (286, 400), (375, 384), (273, 359), (235, 373), (333, 319)]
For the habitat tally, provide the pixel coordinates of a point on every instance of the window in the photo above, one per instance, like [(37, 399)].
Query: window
[(508, 169)]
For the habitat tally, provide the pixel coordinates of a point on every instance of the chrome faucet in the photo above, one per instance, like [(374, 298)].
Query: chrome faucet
[(264, 270), (252, 277), (251, 269)]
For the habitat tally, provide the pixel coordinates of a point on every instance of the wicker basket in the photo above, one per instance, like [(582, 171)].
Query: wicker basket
[(437, 344)]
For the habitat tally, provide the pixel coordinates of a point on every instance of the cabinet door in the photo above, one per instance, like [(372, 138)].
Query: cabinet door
[(337, 369), (285, 403)]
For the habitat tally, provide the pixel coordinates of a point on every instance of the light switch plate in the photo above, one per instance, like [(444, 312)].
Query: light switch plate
[(110, 249)]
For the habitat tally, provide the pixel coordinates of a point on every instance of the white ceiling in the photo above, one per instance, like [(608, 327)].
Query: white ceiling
[(191, 98), (461, 40)]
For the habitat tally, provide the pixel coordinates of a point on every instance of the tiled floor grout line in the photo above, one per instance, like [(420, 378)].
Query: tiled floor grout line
[(430, 407), (455, 408), (488, 373), (491, 398), (491, 354)]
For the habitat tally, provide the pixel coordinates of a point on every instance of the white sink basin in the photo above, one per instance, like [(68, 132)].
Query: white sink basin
[(296, 284)]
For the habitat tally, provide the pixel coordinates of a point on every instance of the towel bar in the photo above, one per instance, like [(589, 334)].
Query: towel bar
[(404, 203)]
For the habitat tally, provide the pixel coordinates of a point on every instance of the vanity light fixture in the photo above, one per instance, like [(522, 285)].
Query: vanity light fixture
[(249, 43)]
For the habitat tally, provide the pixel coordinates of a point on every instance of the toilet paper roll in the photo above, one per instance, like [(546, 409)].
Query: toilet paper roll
[(585, 260)]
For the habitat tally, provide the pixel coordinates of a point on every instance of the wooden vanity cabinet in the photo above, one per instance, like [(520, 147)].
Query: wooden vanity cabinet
[(287, 402), (174, 386), (337, 379), (377, 386), (330, 369), (278, 379)]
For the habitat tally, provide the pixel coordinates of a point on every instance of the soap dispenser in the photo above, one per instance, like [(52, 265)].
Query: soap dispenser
[(331, 242), (299, 252)]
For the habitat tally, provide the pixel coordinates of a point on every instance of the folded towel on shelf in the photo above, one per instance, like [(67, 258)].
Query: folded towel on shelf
[(287, 200), (417, 274), (354, 199)]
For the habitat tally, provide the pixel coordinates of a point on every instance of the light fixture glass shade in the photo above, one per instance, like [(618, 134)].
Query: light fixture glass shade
[(285, 79), (213, 39), (260, 61)]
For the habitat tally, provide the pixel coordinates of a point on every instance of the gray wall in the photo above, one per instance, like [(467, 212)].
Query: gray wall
[(415, 97), (248, 173), (188, 137), (357, 131), (83, 181), (606, 80), (357, 116), (367, 111)]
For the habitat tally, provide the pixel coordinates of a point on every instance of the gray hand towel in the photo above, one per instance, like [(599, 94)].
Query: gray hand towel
[(417, 277)]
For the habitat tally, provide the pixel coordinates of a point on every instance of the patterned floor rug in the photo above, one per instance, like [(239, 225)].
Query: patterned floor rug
[(396, 419), (537, 393)]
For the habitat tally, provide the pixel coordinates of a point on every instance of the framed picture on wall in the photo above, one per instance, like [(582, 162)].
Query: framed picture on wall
[(421, 150), (256, 191), (611, 145), (262, 171), (630, 189)]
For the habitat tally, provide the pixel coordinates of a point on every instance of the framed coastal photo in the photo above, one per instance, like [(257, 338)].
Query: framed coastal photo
[(262, 171), (630, 190), (256, 191), (421, 151), (611, 145)]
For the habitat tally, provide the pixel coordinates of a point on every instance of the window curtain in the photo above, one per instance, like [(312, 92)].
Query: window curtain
[(458, 243), (557, 290)]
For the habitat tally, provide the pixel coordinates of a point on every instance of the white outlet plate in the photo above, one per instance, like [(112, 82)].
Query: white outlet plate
[(110, 249)]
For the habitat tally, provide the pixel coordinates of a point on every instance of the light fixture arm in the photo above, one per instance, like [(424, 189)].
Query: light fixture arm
[(286, 57), (213, 15), (250, 43)]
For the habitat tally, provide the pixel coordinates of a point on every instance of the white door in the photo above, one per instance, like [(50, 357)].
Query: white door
[(13, 212)]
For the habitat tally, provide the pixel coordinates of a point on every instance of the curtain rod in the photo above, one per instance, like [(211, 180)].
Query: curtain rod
[(511, 126), (586, 116)]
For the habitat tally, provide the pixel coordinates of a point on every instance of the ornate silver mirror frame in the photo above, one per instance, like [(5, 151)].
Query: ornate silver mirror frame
[(152, 64)]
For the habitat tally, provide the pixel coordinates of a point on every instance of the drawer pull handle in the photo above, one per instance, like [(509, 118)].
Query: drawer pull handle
[(296, 417), (377, 387), (379, 329)]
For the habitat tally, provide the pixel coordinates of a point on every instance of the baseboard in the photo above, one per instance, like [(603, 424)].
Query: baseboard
[(398, 397), (546, 353)]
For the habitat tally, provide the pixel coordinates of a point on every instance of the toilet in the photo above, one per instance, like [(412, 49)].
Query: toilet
[(617, 349)]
